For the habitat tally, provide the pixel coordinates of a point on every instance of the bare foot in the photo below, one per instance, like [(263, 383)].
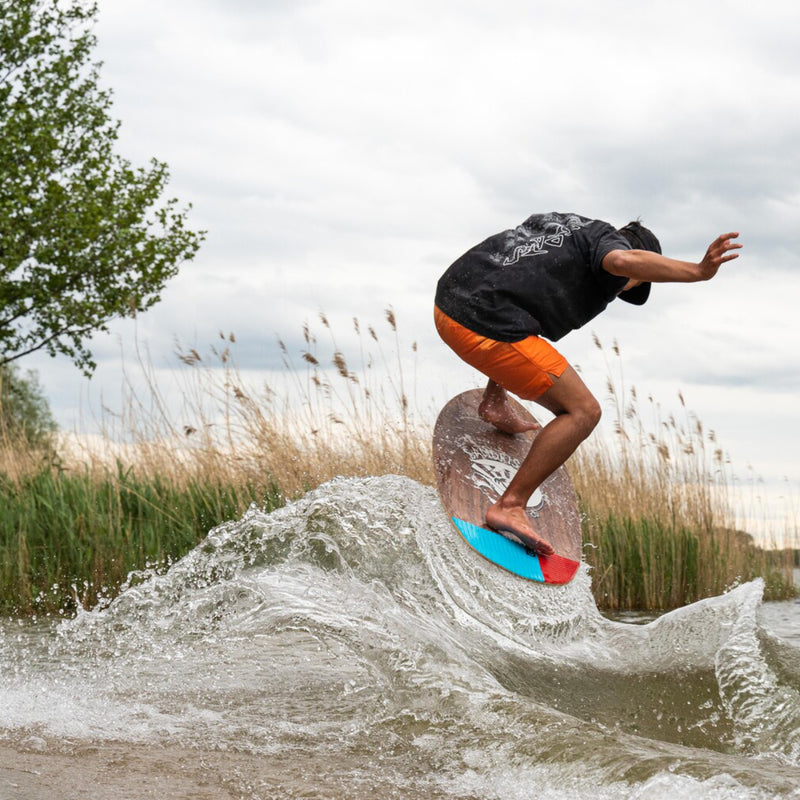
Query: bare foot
[(515, 521), (503, 416)]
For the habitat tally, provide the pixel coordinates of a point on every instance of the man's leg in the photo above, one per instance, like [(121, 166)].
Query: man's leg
[(577, 413)]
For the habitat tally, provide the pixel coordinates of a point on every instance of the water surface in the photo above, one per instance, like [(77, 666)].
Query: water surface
[(351, 645)]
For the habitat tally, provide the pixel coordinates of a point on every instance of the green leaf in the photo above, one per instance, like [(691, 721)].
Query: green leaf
[(82, 231)]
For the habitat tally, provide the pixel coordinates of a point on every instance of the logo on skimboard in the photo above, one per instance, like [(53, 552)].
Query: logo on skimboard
[(492, 471)]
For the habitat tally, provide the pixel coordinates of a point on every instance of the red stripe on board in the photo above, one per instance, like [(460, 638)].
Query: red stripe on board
[(557, 569)]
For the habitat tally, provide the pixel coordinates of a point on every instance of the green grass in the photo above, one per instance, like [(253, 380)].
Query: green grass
[(70, 538), (642, 563), (73, 537)]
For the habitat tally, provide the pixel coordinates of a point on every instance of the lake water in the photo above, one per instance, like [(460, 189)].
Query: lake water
[(351, 645)]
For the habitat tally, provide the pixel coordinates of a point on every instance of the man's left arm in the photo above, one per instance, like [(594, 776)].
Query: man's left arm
[(643, 265)]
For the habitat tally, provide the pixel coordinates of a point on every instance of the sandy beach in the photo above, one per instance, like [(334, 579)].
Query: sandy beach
[(120, 771)]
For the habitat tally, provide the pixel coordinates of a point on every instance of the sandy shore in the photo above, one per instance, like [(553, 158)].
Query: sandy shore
[(36, 770), (119, 771)]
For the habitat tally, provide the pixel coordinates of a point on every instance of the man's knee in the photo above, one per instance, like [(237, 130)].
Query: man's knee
[(569, 395), (588, 414)]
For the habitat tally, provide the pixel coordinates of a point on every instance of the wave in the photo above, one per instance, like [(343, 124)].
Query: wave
[(356, 625)]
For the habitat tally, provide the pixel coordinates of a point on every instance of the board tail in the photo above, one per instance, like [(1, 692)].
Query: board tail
[(515, 558), (558, 569)]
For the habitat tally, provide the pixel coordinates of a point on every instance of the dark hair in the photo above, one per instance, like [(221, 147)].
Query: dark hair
[(640, 238)]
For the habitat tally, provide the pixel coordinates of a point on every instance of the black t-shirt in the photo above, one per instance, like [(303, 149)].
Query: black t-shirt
[(543, 278)]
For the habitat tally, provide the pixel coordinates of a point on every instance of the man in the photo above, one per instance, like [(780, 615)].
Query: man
[(550, 275)]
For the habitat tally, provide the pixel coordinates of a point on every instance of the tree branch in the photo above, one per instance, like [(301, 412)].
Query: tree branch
[(77, 332)]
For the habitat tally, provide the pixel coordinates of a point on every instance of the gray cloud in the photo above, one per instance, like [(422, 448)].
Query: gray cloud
[(342, 154)]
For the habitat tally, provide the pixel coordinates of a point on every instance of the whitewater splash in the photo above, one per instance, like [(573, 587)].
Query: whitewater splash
[(352, 644)]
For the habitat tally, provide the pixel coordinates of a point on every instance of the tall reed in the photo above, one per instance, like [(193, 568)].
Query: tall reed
[(657, 498), (162, 474), (72, 537), (326, 418)]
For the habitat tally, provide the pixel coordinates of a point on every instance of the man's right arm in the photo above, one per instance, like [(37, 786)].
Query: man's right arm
[(643, 265)]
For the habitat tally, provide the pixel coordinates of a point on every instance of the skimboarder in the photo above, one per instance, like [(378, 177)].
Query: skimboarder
[(499, 304)]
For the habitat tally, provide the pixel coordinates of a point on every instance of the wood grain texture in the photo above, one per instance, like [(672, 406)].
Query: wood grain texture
[(468, 453)]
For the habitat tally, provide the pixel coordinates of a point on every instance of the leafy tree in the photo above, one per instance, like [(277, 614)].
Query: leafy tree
[(24, 411), (84, 236)]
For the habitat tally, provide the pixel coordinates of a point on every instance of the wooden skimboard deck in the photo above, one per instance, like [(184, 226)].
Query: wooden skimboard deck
[(474, 463)]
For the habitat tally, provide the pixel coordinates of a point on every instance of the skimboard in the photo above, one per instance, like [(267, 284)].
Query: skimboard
[(474, 463)]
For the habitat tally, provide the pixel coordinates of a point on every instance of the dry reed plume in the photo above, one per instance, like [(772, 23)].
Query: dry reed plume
[(658, 504), (658, 525), (326, 419)]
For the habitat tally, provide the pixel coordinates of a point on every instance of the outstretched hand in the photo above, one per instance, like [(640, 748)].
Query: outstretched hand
[(718, 253)]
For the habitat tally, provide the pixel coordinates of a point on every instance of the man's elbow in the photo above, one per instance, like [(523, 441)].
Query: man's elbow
[(618, 262)]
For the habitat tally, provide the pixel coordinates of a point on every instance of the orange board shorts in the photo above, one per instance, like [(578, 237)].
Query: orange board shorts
[(526, 368)]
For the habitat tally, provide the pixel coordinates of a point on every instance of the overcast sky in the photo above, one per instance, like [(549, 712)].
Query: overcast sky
[(341, 153)]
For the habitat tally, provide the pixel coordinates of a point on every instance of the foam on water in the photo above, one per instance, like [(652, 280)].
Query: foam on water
[(355, 627)]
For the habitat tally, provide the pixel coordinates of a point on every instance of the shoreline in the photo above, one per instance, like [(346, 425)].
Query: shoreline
[(109, 770)]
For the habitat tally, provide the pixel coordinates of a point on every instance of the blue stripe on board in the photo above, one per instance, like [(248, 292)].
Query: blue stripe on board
[(501, 551)]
